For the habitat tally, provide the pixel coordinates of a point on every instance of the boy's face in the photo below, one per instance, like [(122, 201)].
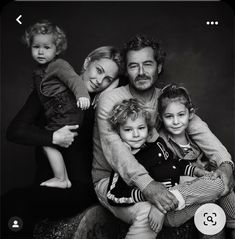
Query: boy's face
[(134, 132), (176, 118), (43, 48)]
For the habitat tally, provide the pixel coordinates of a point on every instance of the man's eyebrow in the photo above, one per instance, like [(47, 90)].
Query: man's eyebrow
[(148, 61), (132, 63)]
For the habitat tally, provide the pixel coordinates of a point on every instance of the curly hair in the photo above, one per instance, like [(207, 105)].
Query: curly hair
[(173, 92), (131, 108), (139, 42), (46, 27)]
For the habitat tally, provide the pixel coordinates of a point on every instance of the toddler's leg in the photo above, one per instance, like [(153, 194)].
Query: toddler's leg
[(56, 160)]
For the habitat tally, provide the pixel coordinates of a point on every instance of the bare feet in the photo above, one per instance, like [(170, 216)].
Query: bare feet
[(156, 219), (57, 183)]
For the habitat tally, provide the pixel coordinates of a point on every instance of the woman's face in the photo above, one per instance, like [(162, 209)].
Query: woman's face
[(99, 74)]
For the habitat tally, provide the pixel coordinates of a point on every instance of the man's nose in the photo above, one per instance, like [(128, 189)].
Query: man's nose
[(141, 70)]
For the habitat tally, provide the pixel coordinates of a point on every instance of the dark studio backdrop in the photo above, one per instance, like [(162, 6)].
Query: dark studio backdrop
[(199, 56)]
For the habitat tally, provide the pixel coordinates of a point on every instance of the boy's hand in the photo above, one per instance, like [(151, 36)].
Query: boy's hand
[(83, 103)]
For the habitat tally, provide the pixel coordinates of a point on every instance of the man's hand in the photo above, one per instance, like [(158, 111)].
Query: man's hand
[(64, 136), (157, 194), (225, 172)]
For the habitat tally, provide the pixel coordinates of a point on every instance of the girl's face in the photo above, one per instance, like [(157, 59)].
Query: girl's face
[(99, 74), (176, 118), (134, 132), (43, 48)]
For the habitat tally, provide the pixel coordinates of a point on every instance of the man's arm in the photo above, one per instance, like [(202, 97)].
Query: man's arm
[(116, 153), (213, 149)]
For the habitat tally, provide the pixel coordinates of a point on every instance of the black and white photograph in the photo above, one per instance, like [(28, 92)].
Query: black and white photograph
[(89, 89)]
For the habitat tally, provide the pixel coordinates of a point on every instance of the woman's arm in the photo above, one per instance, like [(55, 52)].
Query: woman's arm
[(25, 128)]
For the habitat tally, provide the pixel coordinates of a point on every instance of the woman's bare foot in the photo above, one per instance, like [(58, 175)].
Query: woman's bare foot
[(57, 183)]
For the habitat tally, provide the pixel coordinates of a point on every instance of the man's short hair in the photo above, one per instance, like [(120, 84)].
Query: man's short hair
[(139, 42)]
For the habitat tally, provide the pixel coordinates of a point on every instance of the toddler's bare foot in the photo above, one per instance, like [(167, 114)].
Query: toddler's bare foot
[(57, 183)]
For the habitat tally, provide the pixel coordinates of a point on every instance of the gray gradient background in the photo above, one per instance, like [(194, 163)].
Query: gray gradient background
[(198, 56)]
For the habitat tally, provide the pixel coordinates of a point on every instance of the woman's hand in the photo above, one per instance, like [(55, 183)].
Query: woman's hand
[(64, 136)]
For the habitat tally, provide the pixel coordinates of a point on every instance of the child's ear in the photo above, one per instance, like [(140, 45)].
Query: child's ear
[(191, 113), (86, 63)]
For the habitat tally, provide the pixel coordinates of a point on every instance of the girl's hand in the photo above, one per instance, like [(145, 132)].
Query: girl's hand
[(64, 136), (83, 103)]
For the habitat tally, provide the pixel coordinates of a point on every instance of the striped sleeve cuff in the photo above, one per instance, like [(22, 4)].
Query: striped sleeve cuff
[(189, 170), (137, 195)]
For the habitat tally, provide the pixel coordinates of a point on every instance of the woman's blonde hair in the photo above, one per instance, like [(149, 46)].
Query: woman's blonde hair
[(108, 52)]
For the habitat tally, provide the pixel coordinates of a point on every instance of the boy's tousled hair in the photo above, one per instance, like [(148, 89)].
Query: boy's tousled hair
[(46, 27), (131, 108)]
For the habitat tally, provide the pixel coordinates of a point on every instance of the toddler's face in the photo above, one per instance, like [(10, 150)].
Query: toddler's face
[(176, 118), (43, 48), (134, 132), (100, 74)]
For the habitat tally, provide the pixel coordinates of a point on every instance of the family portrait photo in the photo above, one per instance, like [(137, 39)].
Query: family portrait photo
[(117, 119)]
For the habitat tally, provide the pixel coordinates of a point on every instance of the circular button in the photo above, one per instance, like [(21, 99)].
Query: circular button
[(209, 219), (15, 224)]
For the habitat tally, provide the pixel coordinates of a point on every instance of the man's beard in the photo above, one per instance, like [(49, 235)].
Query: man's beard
[(138, 88)]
